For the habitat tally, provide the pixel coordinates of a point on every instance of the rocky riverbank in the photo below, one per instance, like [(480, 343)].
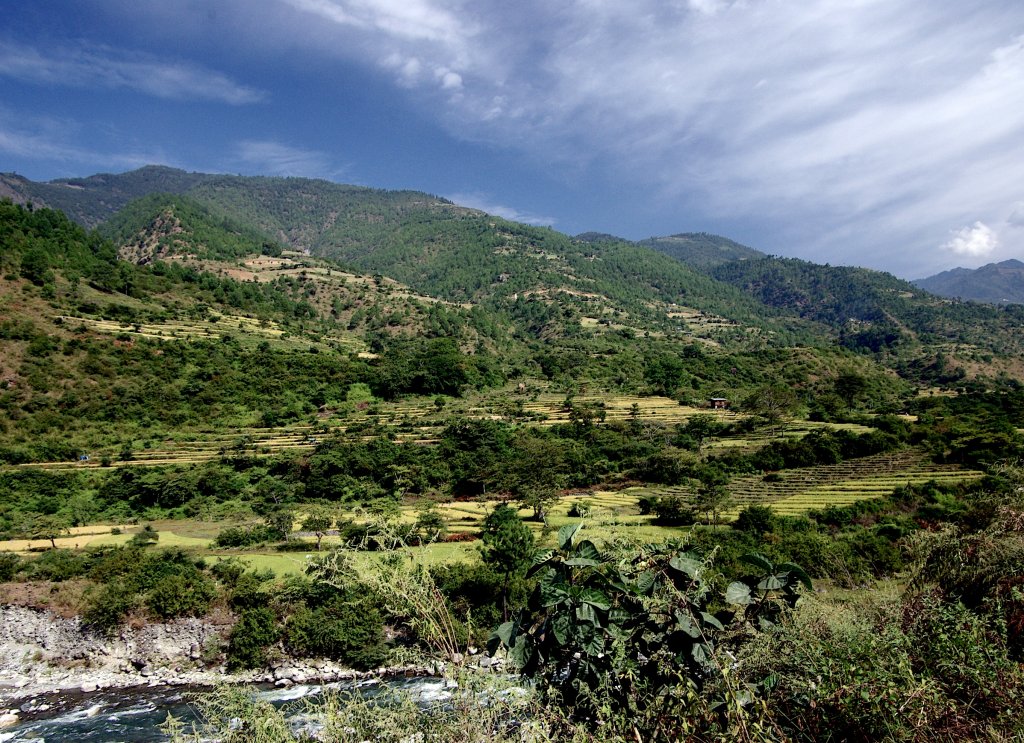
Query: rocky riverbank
[(42, 653)]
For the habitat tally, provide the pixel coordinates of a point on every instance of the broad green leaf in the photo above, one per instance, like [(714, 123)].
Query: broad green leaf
[(522, 652), (542, 556), (699, 652), (562, 626), (737, 593), (587, 551), (771, 583), (505, 633), (619, 616), (596, 599), (593, 644), (686, 564), (566, 535), (580, 562), (710, 619), (758, 561), (797, 572), (552, 594), (586, 613), (644, 582), (686, 625)]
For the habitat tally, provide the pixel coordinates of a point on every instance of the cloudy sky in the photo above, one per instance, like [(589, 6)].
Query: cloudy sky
[(883, 133)]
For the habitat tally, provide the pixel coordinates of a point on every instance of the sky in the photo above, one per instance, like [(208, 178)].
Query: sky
[(882, 133)]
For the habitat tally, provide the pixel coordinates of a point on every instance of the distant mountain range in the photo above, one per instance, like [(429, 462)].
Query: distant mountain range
[(996, 283), (535, 282)]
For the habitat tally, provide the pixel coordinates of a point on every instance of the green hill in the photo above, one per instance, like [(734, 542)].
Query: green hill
[(701, 249), (995, 283)]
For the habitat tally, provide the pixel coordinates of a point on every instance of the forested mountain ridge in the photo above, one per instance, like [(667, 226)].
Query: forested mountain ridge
[(876, 312), (444, 250), (544, 284), (996, 283), (701, 250)]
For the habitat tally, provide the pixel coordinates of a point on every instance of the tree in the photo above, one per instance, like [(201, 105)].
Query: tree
[(772, 403), (279, 523), (701, 427), (850, 386), (318, 522), (508, 546), (712, 498), (534, 472), (48, 526)]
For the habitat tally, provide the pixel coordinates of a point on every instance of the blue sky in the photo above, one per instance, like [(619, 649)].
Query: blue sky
[(883, 133)]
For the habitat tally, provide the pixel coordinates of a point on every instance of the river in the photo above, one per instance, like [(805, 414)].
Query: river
[(135, 715)]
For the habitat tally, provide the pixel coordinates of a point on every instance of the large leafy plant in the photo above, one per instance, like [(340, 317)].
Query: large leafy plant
[(608, 636)]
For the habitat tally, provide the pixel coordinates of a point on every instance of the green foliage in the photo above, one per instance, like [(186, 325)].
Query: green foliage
[(604, 638), (10, 563), (245, 536), (755, 520), (347, 628), (181, 595), (107, 607), (255, 630)]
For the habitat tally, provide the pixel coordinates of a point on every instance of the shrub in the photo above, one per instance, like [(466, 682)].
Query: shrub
[(107, 607), (245, 536), (672, 510), (181, 595), (252, 634), (9, 565), (57, 565), (755, 520), (348, 628)]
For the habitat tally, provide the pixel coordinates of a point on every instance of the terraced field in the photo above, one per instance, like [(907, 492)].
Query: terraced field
[(800, 490)]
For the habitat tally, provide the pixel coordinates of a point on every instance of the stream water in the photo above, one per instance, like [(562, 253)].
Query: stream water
[(135, 715)]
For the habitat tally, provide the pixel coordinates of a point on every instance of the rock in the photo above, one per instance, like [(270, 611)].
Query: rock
[(283, 683), (89, 687), (8, 718)]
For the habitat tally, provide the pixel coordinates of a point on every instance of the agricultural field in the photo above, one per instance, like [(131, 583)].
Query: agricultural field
[(797, 491), (419, 421)]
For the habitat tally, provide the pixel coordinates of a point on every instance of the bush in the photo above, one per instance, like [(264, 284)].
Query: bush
[(674, 511), (347, 628), (9, 565), (252, 634), (245, 536), (755, 520), (107, 607), (187, 595), (57, 565)]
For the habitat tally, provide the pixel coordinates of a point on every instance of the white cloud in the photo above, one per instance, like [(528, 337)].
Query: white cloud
[(975, 241), (843, 128), (486, 204), (100, 67), (268, 157)]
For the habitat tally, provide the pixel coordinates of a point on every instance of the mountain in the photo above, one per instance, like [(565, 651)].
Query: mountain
[(531, 283), (995, 283), (90, 201), (875, 311), (163, 225), (701, 249), (437, 248)]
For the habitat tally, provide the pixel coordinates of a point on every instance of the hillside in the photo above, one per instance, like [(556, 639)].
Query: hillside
[(701, 249), (995, 283), (590, 294), (538, 276)]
